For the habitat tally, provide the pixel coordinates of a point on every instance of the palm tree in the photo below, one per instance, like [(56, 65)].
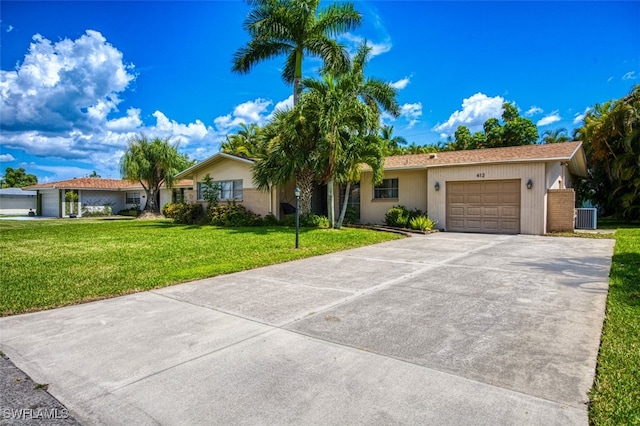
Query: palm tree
[(245, 143), (290, 153), (346, 104), (152, 162), (295, 28), (392, 142), (555, 136)]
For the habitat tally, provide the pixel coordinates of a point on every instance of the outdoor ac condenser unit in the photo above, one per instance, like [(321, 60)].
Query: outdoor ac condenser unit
[(586, 218)]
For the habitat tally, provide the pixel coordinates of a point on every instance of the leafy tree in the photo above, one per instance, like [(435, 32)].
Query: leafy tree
[(555, 136), (245, 143), (18, 178), (94, 175), (295, 28), (516, 131), (611, 138), (152, 162), (210, 191)]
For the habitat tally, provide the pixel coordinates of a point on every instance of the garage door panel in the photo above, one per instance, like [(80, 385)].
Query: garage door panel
[(485, 206)]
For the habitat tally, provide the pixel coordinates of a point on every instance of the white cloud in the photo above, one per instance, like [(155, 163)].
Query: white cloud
[(475, 111), (10, 28), (248, 112), (551, 118), (126, 124), (284, 105), (401, 84), (412, 113), (578, 117), (5, 158), (533, 111), (63, 85), (631, 75), (376, 48)]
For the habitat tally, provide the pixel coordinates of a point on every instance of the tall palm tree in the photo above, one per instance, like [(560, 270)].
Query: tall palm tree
[(346, 104), (295, 28), (555, 136)]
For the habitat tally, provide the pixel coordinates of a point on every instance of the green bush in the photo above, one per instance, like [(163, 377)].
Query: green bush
[(422, 223), (186, 214), (308, 221), (270, 220), (400, 216), (129, 212), (232, 215), (351, 215)]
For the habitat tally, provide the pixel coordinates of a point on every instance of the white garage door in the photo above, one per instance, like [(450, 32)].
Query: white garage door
[(50, 204), (484, 206)]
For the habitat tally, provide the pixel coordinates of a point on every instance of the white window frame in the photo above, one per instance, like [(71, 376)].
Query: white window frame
[(230, 190), (381, 192), (130, 198)]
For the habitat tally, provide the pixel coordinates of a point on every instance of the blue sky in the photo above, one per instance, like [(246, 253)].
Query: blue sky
[(80, 78)]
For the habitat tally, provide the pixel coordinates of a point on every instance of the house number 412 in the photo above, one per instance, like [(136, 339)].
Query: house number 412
[(480, 175)]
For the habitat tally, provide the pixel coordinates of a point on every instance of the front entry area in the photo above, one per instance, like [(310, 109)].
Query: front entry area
[(484, 206)]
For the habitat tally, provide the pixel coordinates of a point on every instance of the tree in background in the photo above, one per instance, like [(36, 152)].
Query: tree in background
[(152, 162), (17, 178), (245, 143), (555, 136), (94, 175), (295, 28), (394, 144), (515, 131), (611, 139)]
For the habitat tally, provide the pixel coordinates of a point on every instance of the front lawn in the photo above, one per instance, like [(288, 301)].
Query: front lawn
[(615, 397), (51, 263)]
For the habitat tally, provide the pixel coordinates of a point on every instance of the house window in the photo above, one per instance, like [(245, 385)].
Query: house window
[(133, 198), (387, 189), (229, 190)]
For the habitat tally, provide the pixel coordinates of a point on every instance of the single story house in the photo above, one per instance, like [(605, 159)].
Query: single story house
[(521, 189), (15, 201), (75, 197), (234, 174)]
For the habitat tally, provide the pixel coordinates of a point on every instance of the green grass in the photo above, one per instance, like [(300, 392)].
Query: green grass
[(51, 263), (615, 397)]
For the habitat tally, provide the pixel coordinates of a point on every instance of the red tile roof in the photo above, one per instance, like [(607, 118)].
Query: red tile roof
[(98, 184), (558, 151)]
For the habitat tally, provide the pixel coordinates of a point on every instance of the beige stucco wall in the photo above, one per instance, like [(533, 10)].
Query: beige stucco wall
[(259, 202), (412, 193), (532, 201)]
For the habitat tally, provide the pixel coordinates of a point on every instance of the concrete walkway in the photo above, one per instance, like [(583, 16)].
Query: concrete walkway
[(443, 329)]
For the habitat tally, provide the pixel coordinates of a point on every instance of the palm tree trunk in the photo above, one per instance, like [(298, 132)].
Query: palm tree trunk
[(330, 204), (304, 181), (343, 210)]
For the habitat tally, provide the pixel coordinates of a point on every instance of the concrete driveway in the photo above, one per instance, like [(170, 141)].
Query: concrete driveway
[(443, 329)]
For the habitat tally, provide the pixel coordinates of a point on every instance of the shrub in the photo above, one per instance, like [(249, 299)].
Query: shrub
[(400, 216), (186, 214), (309, 221), (351, 215), (270, 220), (232, 215), (422, 223)]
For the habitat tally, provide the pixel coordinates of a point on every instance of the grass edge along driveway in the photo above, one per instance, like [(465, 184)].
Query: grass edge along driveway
[(51, 263), (615, 396)]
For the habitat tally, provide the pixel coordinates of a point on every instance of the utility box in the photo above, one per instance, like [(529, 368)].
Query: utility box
[(587, 218)]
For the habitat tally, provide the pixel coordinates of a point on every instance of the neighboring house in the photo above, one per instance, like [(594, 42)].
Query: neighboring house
[(235, 176), (15, 201), (522, 189), (81, 195)]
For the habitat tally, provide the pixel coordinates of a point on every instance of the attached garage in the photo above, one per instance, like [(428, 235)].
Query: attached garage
[(484, 206)]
